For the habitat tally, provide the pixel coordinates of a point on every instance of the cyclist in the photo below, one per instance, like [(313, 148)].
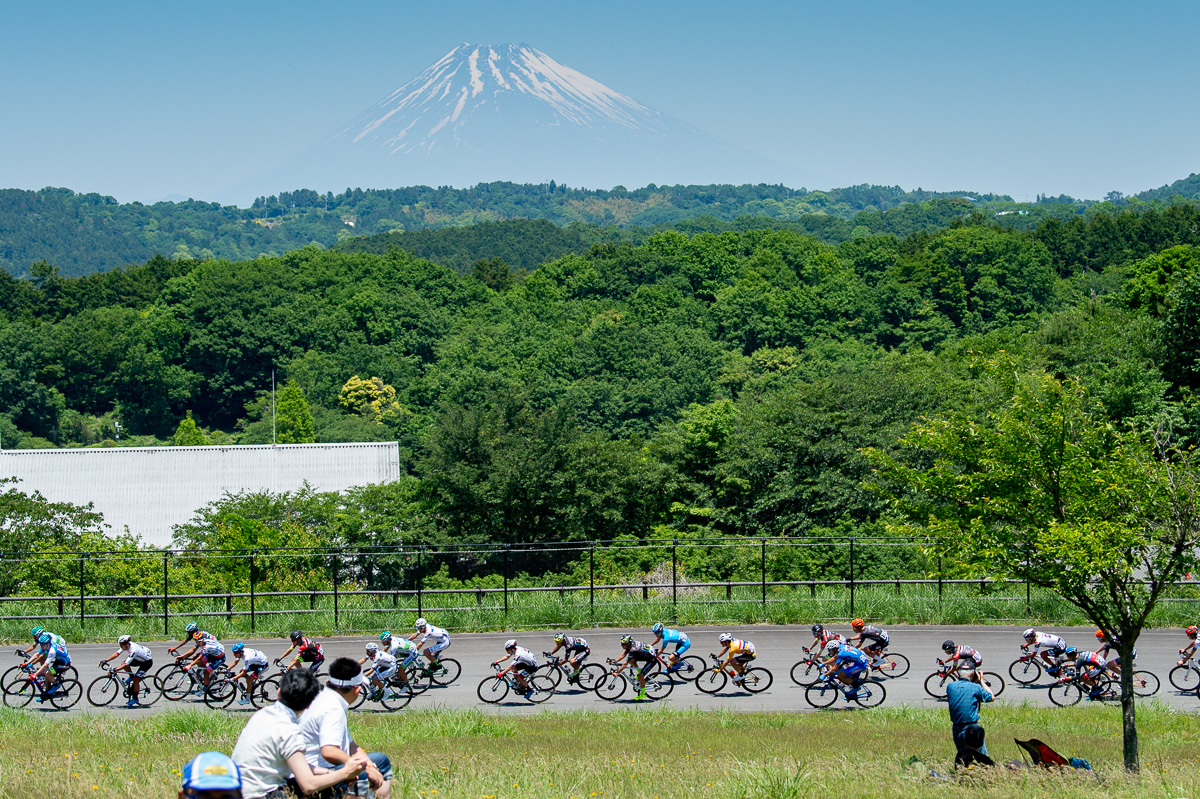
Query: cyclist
[(873, 639), (1190, 649), (189, 637), (577, 651), (821, 637), (138, 661), (441, 640), (254, 663), (1113, 665), (54, 658), (524, 663), (961, 659), (740, 653), (36, 632), (208, 651), (1088, 668), (848, 664), (638, 655), (307, 651), (383, 667), (667, 635), (403, 650), (1049, 648)]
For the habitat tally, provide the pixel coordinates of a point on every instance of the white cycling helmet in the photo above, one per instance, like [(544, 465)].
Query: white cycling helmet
[(372, 647), (124, 639), (1030, 633), (511, 643), (421, 624), (832, 645), (724, 638)]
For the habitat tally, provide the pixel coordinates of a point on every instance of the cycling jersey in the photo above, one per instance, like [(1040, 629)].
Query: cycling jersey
[(575, 645), (403, 649), (1090, 660), (254, 659), (876, 635), (433, 632), (1051, 643), (966, 653), (138, 653), (850, 660), (57, 655), (682, 644), (827, 636), (57, 640), (309, 651), (741, 649), (524, 659), (383, 663)]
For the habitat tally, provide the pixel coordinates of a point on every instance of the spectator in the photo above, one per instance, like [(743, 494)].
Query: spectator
[(211, 775), (327, 736), (965, 698), (271, 746)]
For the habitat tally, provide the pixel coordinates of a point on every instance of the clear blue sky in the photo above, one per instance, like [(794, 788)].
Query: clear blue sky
[(146, 100)]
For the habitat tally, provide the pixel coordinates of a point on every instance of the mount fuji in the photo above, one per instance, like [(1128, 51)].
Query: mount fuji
[(510, 112)]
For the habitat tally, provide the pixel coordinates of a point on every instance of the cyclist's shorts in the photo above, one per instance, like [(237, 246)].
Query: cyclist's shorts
[(138, 668), (386, 672), (218, 657), (874, 645), (854, 669), (527, 668), (256, 668), (314, 655), (682, 645), (1055, 651), (744, 657), (439, 645), (641, 657), (578, 655), (1093, 672), (410, 659)]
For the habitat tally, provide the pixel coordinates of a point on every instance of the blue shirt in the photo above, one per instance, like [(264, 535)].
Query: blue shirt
[(670, 636), (849, 656), (964, 698)]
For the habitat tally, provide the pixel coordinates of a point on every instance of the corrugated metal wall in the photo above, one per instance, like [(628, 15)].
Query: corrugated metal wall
[(151, 489)]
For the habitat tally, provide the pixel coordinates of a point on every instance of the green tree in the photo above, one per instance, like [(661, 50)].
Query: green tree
[(293, 417), (188, 434), (1045, 489), (30, 520)]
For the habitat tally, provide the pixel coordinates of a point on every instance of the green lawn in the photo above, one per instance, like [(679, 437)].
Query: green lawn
[(649, 752)]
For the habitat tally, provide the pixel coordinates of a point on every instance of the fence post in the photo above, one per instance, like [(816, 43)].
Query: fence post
[(674, 585), (506, 548), (420, 579), (851, 576), (592, 583), (939, 583), (337, 556), (166, 594), (228, 606), (1027, 587), (253, 577), (82, 558), (764, 577)]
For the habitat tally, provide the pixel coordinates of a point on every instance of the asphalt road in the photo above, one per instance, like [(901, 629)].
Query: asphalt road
[(779, 647)]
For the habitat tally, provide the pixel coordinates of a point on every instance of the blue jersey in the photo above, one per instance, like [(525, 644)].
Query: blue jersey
[(850, 657), (673, 636), (57, 654)]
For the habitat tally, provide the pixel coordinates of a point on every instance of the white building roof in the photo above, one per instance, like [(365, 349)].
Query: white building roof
[(152, 489)]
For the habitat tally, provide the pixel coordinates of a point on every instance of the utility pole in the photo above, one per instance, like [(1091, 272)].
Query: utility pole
[(272, 407)]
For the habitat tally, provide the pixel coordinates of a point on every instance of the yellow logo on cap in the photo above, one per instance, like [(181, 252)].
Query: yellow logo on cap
[(215, 770)]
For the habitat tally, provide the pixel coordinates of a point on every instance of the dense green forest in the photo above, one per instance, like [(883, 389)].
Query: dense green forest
[(718, 382), (84, 233)]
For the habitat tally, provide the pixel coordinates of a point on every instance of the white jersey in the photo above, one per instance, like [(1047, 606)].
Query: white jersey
[(525, 657), (1048, 641), (434, 632), (382, 661), (252, 657), (138, 652), (401, 647)]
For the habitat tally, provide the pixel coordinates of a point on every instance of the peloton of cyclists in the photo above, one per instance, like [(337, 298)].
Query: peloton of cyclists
[(524, 664), (254, 663), (961, 659), (307, 651), (139, 660), (637, 654), (439, 639), (576, 650), (666, 635), (1049, 648)]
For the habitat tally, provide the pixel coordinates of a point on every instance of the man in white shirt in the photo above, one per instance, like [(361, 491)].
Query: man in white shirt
[(327, 737), (272, 746)]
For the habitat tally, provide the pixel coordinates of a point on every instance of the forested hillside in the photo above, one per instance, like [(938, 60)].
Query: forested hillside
[(713, 382), (84, 233)]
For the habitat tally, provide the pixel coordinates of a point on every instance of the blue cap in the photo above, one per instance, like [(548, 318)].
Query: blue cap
[(211, 771)]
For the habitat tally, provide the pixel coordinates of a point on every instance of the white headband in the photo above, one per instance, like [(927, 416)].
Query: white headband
[(357, 679)]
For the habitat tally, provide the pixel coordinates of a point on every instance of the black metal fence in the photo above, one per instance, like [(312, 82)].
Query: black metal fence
[(595, 582)]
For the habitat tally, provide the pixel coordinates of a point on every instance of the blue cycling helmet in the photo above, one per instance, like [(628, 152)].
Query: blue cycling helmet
[(191, 628), (385, 636), (37, 631), (44, 638), (657, 628), (1071, 651), (238, 647)]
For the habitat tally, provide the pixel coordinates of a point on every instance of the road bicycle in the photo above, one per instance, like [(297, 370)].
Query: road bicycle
[(1028, 668), (104, 689), (442, 672), (1185, 677), (394, 696), (611, 686), (1069, 689), (557, 667), (181, 680), (63, 695), (808, 670), (935, 684), (825, 691), (889, 664), (687, 668), (20, 672), (754, 679), (493, 689)]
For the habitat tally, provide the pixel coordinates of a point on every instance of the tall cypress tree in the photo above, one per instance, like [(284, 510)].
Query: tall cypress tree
[(293, 418)]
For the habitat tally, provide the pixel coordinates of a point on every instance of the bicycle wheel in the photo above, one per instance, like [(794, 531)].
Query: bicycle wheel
[(659, 686), (148, 692), (177, 684), (103, 690), (446, 672), (806, 673), (611, 687), (68, 693), (757, 680), (1145, 683), (821, 694), (163, 671), (11, 677), (1185, 678), (20, 693), (591, 676), (265, 692), (220, 692), (1065, 694), (935, 685), (995, 681), (543, 688), (418, 679), (688, 668), (550, 672), (492, 689), (1025, 672), (712, 681), (870, 694), (394, 698), (892, 665)]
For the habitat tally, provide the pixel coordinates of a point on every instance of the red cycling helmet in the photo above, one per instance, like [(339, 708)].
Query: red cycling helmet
[(1191, 631), (1100, 635), (858, 624)]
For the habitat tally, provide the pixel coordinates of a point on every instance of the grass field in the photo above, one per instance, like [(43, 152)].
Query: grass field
[(645, 753), (548, 609)]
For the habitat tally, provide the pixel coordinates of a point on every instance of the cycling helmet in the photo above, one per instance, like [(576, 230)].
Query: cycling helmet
[(44, 638), (372, 648), (1191, 631), (626, 640), (36, 631), (196, 636), (421, 624), (1030, 633), (947, 645), (385, 636), (1099, 635), (724, 638), (191, 628), (858, 624), (832, 645), (124, 639), (817, 629), (511, 643), (1071, 651), (238, 647), (560, 638), (296, 635), (657, 628)]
